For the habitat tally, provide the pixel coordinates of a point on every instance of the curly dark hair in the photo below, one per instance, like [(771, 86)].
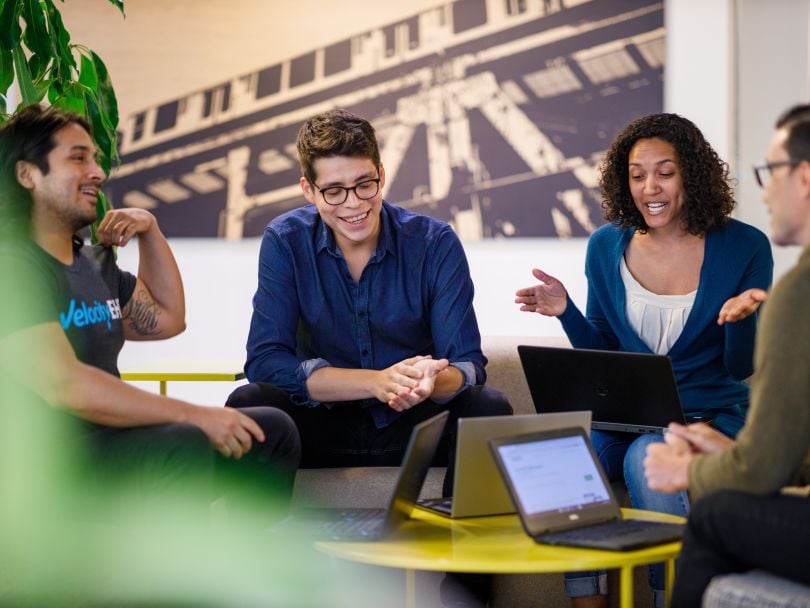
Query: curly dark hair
[(708, 197)]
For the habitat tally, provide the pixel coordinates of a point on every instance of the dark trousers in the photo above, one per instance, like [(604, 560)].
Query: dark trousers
[(731, 532), (345, 435), (171, 460)]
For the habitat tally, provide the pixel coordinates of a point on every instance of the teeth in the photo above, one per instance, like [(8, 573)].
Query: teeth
[(356, 218), (656, 207)]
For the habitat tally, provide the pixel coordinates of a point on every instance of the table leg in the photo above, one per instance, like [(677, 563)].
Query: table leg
[(626, 587), (669, 581), (163, 387), (410, 588)]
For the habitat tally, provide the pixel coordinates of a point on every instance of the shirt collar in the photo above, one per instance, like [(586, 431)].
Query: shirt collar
[(325, 238)]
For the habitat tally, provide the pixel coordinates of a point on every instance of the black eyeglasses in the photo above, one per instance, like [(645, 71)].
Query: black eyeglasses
[(337, 195), (763, 172)]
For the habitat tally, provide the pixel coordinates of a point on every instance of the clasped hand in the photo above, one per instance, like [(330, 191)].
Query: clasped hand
[(666, 465), (409, 382)]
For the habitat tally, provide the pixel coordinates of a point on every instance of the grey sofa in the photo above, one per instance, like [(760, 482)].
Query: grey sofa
[(345, 487), (756, 589)]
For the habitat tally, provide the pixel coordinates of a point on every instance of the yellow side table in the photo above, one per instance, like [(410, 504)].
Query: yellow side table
[(498, 545), (200, 370)]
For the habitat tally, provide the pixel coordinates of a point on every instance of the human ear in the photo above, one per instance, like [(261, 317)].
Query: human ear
[(23, 171), (306, 187)]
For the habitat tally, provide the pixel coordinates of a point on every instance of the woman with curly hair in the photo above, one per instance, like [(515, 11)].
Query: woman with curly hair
[(673, 274)]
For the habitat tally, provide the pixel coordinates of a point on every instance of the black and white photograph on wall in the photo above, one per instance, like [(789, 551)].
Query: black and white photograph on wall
[(492, 115)]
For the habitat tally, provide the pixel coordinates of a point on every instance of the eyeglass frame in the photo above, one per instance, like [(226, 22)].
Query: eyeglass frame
[(769, 167), (346, 191)]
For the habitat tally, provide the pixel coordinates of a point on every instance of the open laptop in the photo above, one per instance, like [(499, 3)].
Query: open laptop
[(478, 487), (630, 392), (563, 496), (367, 523)]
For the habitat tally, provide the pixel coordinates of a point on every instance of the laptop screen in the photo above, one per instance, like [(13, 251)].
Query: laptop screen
[(554, 475), (555, 480)]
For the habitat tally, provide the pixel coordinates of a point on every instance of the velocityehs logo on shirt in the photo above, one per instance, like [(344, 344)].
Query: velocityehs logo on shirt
[(83, 314)]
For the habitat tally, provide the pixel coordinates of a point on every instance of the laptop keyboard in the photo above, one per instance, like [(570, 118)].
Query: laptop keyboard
[(443, 505), (620, 531), (353, 523)]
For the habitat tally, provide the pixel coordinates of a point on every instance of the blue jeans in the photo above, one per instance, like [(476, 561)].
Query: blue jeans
[(622, 457)]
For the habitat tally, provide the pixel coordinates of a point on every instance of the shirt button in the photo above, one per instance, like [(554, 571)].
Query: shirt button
[(362, 315), (365, 352)]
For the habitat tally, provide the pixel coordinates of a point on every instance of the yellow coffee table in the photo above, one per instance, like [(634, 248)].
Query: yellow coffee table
[(199, 370), (498, 545)]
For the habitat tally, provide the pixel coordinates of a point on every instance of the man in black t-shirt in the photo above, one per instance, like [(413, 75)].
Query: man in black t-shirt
[(81, 307)]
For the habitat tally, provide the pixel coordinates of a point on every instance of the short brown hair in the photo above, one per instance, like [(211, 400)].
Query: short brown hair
[(335, 133), (708, 198)]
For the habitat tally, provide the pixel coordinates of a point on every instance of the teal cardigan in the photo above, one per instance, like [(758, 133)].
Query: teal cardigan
[(710, 361)]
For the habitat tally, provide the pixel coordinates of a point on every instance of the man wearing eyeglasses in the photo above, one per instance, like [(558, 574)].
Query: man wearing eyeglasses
[(363, 322), (742, 521)]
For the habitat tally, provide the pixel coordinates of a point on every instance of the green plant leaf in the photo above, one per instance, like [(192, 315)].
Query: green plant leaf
[(87, 72), (38, 66), (71, 99), (119, 4), (3, 117), (36, 35), (28, 91), (6, 71), (102, 135), (102, 206), (10, 29), (63, 53), (106, 93)]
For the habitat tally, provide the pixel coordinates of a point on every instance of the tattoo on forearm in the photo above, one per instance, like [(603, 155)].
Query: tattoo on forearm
[(143, 314)]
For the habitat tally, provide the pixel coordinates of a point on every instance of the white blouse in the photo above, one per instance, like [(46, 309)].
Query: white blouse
[(657, 319)]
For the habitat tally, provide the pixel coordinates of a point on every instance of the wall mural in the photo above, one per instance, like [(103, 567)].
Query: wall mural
[(492, 115)]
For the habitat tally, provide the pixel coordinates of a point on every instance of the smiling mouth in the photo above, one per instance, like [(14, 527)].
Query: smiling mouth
[(656, 207), (356, 219), (89, 191)]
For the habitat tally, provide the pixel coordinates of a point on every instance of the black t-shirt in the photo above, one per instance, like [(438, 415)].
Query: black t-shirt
[(85, 298)]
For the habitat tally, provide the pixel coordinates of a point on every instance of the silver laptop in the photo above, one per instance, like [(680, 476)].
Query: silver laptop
[(630, 392), (358, 524), (478, 487), (563, 496)]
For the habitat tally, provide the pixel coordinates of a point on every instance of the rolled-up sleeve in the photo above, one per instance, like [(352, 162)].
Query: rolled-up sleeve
[(452, 319)]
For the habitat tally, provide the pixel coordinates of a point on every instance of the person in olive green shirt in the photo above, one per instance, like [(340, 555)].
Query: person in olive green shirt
[(745, 517)]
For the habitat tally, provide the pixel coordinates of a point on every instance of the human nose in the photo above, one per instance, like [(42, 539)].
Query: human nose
[(352, 200), (651, 184), (96, 173)]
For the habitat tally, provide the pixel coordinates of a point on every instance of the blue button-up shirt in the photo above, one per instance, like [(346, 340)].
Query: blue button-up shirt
[(414, 298)]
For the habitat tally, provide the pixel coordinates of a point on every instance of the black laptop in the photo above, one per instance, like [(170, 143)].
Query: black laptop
[(563, 497), (359, 524), (630, 392)]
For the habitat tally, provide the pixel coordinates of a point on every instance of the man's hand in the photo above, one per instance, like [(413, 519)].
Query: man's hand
[(120, 225), (229, 430), (549, 298), (666, 466), (397, 380), (741, 306), (700, 437), (429, 368)]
